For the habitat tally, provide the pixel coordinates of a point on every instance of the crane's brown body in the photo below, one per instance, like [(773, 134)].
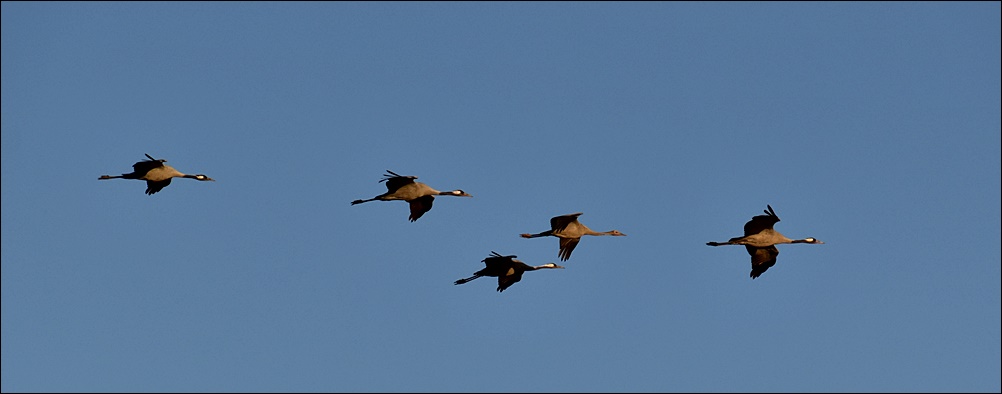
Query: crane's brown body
[(418, 195), (569, 230), (760, 241), (507, 269), (156, 174)]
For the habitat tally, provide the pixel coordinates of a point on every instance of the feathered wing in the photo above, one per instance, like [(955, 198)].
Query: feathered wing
[(762, 259), (497, 260), (140, 169), (567, 246), (559, 223), (761, 222), (395, 181), (155, 186), (512, 277), (420, 205)]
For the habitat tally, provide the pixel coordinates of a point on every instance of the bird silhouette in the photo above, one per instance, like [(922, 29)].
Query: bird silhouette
[(419, 195), (569, 230), (760, 240), (156, 174), (507, 269)]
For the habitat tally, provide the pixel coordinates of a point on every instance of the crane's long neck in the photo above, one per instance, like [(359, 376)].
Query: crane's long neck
[(589, 231)]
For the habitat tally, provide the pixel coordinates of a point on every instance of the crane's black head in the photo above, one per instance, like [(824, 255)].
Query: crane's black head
[(458, 193), (810, 240)]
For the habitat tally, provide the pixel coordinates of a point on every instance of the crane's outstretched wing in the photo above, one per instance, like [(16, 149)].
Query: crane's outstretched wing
[(141, 168), (155, 186), (567, 246), (494, 261), (559, 223), (420, 205), (495, 255), (761, 222), (395, 181), (505, 281), (762, 259)]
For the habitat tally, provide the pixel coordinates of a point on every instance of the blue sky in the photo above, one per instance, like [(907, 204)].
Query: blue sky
[(874, 127)]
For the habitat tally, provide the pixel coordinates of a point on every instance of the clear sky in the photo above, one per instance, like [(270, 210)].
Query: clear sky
[(874, 127)]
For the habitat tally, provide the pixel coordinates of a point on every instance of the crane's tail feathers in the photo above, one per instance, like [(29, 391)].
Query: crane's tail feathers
[(464, 280)]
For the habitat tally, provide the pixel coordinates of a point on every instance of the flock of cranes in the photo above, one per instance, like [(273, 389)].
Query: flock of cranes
[(760, 239)]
